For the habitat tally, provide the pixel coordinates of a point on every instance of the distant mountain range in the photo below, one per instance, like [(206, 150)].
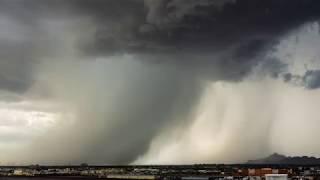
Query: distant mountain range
[(282, 159)]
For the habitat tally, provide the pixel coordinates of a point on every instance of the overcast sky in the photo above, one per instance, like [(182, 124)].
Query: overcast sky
[(158, 81)]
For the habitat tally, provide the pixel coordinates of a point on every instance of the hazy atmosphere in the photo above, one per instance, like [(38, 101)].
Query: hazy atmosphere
[(158, 81)]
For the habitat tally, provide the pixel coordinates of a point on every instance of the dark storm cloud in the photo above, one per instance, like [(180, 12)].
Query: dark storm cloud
[(236, 33), (183, 32), (206, 27), (311, 79)]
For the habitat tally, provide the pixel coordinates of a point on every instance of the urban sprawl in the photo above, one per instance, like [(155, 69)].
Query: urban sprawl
[(184, 172)]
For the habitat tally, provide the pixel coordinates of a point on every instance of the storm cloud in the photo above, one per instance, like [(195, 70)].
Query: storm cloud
[(133, 81)]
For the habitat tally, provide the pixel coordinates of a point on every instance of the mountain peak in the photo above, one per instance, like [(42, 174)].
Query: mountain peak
[(276, 158)]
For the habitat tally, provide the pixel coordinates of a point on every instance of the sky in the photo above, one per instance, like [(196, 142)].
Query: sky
[(158, 81)]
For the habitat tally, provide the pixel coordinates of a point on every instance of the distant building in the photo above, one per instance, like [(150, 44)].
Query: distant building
[(195, 178), (140, 177), (276, 176), (265, 171), (18, 172)]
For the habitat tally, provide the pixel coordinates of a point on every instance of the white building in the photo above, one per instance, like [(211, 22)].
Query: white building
[(18, 172), (276, 176)]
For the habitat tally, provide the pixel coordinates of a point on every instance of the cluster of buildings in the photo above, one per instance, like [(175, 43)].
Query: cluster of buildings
[(209, 172)]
